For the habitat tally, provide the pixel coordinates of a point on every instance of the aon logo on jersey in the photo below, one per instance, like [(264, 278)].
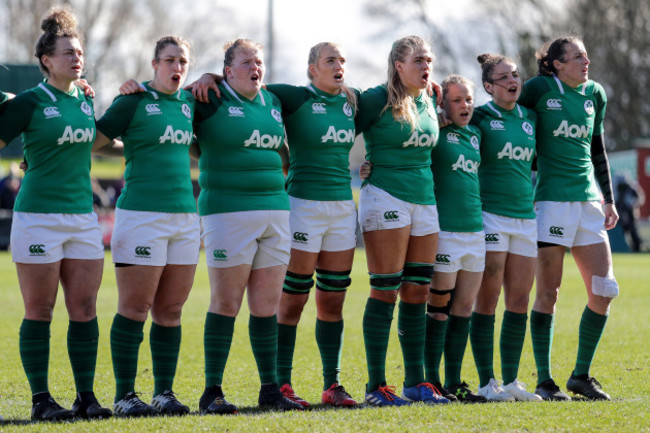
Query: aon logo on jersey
[(420, 140), (467, 165), (176, 136), (86, 135), (517, 153), (573, 131), (340, 136), (265, 141)]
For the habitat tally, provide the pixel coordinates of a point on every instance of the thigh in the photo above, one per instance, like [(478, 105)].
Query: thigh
[(137, 286), (336, 260), (518, 282), (302, 262), (265, 289), (80, 280), (173, 290), (386, 249), (227, 287), (39, 284), (467, 287)]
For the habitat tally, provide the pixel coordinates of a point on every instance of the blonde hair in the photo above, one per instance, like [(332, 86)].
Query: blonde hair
[(399, 100), (231, 46), (314, 56), (456, 79)]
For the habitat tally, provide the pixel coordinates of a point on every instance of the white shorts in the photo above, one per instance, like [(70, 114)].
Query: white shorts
[(50, 237), (156, 238), (570, 223), (510, 235), (322, 225), (378, 210), (259, 238), (460, 251)]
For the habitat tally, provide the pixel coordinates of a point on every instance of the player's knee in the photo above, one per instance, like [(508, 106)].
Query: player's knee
[(439, 303), (386, 282), (417, 273)]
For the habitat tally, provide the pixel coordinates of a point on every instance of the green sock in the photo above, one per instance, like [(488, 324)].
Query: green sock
[(412, 331), (83, 338), (481, 336), (126, 336), (377, 319), (541, 332), (165, 342), (329, 337), (591, 329), (263, 333), (34, 343), (455, 343), (217, 338), (286, 346), (433, 348), (513, 333)]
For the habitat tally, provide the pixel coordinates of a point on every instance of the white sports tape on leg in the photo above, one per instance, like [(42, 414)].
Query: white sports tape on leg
[(605, 286)]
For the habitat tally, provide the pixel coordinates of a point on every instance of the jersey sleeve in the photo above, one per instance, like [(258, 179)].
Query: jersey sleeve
[(205, 110), (532, 91), (477, 117), (601, 105), (118, 116), (16, 115), (371, 104), (291, 97)]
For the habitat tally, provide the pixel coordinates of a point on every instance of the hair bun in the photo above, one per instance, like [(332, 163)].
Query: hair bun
[(59, 21), (482, 58)]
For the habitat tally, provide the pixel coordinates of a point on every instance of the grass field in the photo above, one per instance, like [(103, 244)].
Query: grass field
[(622, 365)]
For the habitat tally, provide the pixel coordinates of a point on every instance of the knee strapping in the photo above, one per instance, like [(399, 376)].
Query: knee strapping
[(605, 286), (385, 281), (297, 284), (445, 297), (417, 273), (333, 281)]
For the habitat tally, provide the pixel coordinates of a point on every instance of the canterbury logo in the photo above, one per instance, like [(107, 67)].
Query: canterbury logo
[(152, 108), (37, 250), (554, 104), (556, 231), (442, 258), (491, 237), (300, 237), (219, 255), (236, 111), (143, 251), (497, 125), (51, 112), (391, 215), (318, 107)]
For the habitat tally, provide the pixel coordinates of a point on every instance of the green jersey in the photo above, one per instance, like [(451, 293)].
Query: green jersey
[(58, 131), (400, 155), (567, 120), (320, 132), (507, 152), (241, 168), (3, 98), (156, 129), (455, 163)]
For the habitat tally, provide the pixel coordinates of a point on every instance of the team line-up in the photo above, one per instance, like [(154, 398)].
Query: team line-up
[(449, 216)]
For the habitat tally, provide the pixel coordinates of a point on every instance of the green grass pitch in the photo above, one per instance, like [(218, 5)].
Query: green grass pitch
[(622, 365)]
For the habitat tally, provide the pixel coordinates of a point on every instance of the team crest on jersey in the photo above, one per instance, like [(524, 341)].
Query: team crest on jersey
[(589, 106), (554, 104), (186, 111), (318, 108), (276, 115), (452, 137), (152, 109), (527, 127), (51, 112), (497, 125), (347, 109), (474, 141), (86, 109)]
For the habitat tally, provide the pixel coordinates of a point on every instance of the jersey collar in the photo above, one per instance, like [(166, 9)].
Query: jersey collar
[(156, 95), (580, 89), (496, 109), (50, 91), (236, 95)]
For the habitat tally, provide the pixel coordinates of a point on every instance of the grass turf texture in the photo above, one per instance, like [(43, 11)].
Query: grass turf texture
[(621, 365)]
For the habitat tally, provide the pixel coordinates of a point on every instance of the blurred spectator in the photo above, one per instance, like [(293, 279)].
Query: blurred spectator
[(629, 197), (9, 187)]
